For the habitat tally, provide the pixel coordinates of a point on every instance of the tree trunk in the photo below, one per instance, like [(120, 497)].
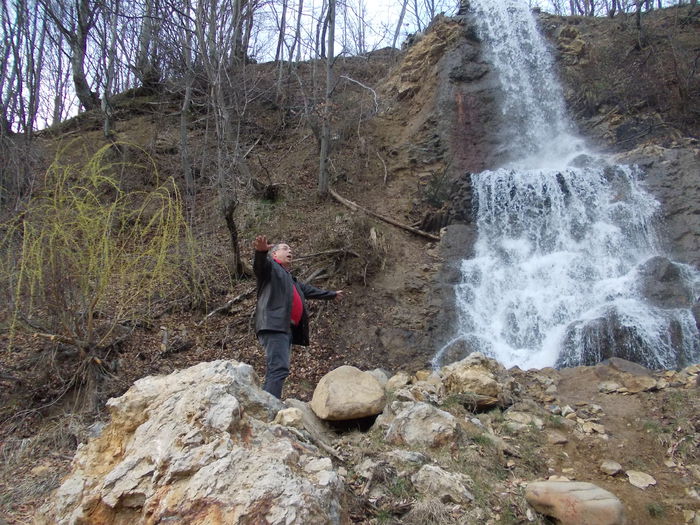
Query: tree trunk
[(638, 15), (398, 26), (146, 70), (111, 51), (282, 32), (229, 216), (279, 54), (297, 36), (185, 160), (323, 177)]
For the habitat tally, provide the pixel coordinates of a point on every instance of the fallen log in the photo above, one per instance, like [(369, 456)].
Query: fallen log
[(388, 220)]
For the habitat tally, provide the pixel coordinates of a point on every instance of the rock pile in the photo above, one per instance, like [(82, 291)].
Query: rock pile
[(206, 445)]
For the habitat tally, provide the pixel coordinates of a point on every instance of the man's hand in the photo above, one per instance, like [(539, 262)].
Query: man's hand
[(260, 244), (339, 294)]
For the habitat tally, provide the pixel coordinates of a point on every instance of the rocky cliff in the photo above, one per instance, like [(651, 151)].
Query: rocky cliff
[(612, 73)]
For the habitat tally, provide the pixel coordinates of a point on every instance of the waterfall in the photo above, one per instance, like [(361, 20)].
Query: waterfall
[(564, 236)]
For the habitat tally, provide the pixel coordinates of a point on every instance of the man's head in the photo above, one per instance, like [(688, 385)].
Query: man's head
[(282, 253)]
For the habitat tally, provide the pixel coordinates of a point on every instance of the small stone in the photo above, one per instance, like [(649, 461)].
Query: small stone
[(609, 387), (636, 384), (694, 470), (39, 470), (290, 417), (348, 393), (400, 456), (556, 438), (523, 419), (567, 410), (449, 487), (641, 480), (399, 380), (610, 467), (593, 428), (318, 465), (691, 370)]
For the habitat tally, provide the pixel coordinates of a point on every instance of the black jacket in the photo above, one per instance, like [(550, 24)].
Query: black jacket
[(274, 307)]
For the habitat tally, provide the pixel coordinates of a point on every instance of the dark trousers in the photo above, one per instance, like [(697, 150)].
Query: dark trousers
[(278, 349)]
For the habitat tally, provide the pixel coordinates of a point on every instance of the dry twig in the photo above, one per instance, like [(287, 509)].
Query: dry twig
[(228, 305)]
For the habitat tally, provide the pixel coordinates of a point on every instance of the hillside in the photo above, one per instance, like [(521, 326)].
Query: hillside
[(401, 123)]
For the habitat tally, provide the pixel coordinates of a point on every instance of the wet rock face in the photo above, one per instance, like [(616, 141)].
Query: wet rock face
[(671, 175), (662, 284), (591, 342), (467, 104)]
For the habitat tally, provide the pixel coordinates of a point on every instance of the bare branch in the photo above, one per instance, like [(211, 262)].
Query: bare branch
[(374, 93), (228, 305)]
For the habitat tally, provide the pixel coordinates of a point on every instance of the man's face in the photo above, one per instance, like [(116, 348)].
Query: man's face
[(283, 254)]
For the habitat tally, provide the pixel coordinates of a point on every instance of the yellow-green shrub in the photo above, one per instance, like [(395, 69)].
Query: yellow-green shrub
[(85, 255)]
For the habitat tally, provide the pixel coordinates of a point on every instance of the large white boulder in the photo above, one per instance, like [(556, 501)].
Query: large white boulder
[(196, 447)]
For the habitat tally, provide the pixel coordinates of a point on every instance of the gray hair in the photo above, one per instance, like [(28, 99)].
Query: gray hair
[(276, 247)]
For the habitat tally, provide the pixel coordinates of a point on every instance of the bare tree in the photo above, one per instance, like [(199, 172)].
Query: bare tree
[(220, 29), (146, 66), (323, 176), (75, 21)]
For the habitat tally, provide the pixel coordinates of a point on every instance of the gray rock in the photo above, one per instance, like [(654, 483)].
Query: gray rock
[(671, 176), (622, 365), (575, 503), (641, 480), (448, 487), (421, 424), (665, 284), (610, 467)]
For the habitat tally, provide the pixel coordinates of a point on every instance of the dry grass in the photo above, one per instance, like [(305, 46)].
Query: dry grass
[(430, 511), (30, 468)]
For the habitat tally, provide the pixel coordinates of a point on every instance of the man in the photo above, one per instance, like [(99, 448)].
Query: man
[(280, 314)]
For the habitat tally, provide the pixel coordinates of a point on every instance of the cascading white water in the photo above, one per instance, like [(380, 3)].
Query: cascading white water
[(562, 234)]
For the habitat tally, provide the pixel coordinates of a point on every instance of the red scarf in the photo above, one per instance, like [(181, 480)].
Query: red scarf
[(297, 305)]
